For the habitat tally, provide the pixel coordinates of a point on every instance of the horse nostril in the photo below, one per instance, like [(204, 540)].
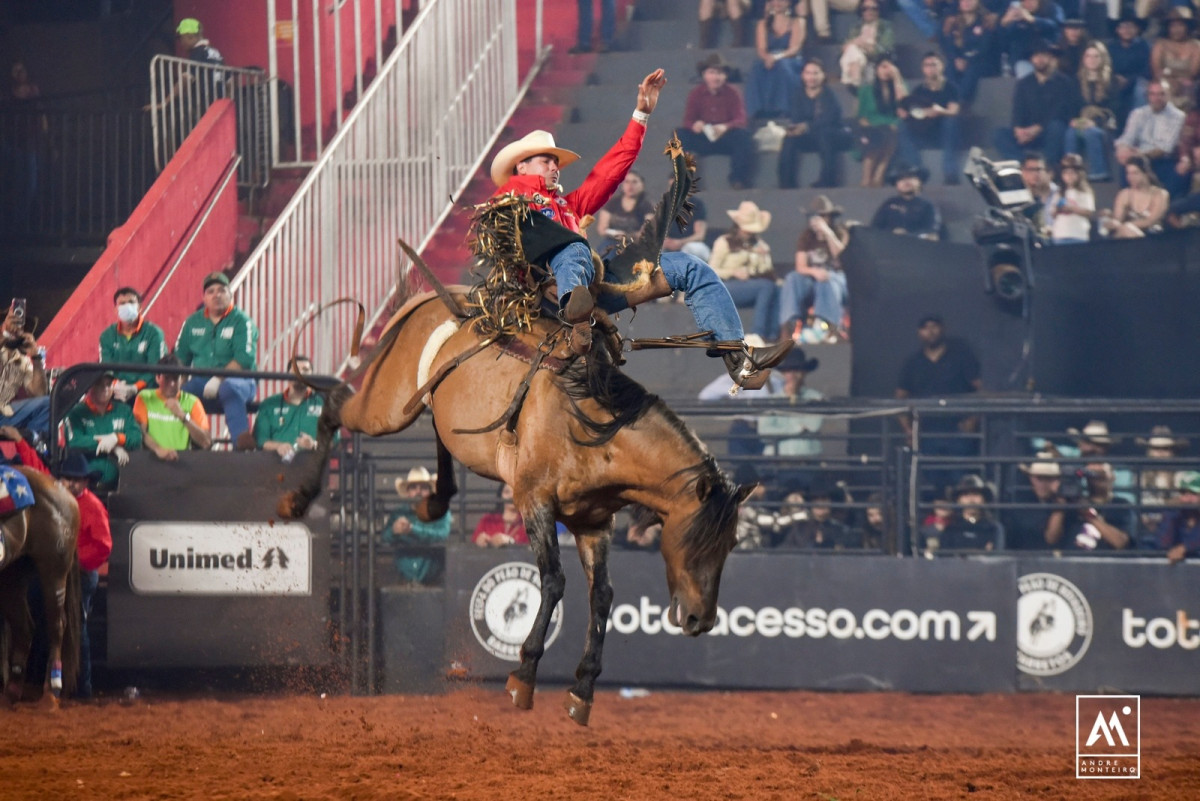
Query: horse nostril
[(693, 625)]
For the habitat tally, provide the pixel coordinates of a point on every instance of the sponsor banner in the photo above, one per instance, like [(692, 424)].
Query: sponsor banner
[(784, 620), (220, 558), (1094, 624)]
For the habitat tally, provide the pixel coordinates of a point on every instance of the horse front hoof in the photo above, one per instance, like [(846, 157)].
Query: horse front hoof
[(522, 693), (578, 709), (291, 505)]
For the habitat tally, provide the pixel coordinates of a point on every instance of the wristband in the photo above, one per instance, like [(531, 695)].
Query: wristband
[(641, 116)]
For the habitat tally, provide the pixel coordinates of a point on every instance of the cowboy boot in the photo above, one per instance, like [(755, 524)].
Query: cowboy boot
[(750, 367), (577, 311), (657, 287)]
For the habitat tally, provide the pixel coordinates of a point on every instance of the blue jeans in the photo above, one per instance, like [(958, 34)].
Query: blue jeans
[(761, 294), (916, 11), (826, 297), (88, 581), (944, 133), (231, 401), (31, 413), (1095, 145), (608, 23), (1050, 142), (704, 292)]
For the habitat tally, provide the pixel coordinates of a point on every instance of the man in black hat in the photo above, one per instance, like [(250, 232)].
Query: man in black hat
[(1073, 39), (972, 528), (907, 212), (221, 336), (714, 122), (1130, 54), (1044, 103), (94, 546), (929, 117)]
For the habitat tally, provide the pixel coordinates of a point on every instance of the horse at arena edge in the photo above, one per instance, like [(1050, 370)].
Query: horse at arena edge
[(575, 438), (45, 536)]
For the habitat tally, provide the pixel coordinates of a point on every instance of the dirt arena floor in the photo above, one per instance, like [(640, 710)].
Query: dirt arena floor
[(471, 744)]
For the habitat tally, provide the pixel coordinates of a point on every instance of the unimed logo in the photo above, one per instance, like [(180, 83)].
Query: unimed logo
[(1108, 737)]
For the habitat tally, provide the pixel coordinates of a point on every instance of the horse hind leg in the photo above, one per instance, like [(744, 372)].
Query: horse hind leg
[(543, 538), (13, 589), (593, 555)]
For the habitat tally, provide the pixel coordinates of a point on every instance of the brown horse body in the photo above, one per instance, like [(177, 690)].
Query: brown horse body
[(47, 534), (586, 442)]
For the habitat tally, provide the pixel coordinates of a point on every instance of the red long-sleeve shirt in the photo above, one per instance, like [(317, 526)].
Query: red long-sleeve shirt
[(95, 536), (723, 107), (597, 188)]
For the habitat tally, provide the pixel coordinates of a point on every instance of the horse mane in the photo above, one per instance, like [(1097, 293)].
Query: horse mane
[(624, 400), (710, 533)]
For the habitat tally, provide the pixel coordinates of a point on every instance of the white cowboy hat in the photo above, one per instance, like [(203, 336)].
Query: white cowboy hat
[(1096, 431), (532, 144), (1044, 468), (750, 218), (418, 475), (1162, 438)]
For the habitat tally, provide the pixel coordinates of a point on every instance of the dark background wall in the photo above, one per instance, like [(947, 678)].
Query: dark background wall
[(1107, 319)]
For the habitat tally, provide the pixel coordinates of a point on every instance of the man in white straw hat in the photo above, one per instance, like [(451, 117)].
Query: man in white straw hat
[(530, 168), (405, 527), (1035, 529)]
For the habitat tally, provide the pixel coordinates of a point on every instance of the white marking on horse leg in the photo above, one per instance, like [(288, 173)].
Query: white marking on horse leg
[(428, 353)]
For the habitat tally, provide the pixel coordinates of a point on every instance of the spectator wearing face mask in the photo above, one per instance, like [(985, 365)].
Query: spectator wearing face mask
[(132, 339)]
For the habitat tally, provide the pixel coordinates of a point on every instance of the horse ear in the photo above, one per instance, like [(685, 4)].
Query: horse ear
[(744, 491), (704, 488)]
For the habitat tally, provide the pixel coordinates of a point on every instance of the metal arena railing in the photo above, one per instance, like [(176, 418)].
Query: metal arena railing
[(71, 175), (410, 145), (181, 91)]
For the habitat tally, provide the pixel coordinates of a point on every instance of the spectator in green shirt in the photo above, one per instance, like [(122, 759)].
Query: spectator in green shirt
[(287, 421), (223, 337), (132, 339), (103, 431), (404, 527)]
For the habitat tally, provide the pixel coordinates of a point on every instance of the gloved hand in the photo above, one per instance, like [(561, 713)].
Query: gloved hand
[(122, 456), (105, 442), (123, 391), (212, 387)]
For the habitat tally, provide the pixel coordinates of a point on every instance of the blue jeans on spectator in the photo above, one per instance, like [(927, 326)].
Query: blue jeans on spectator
[(88, 581), (1095, 144), (944, 133), (826, 297), (704, 293), (30, 413), (737, 143), (231, 400), (919, 13), (608, 23), (1050, 142), (761, 294)]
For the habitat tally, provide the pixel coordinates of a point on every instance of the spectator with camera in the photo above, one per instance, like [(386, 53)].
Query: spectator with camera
[(819, 529), (1099, 520), (1179, 532), (24, 398)]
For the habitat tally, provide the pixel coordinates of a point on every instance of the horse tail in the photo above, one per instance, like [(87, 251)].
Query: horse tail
[(295, 503), (73, 624), (436, 505)]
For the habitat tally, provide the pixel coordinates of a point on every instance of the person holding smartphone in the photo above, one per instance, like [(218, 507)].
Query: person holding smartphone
[(24, 398)]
